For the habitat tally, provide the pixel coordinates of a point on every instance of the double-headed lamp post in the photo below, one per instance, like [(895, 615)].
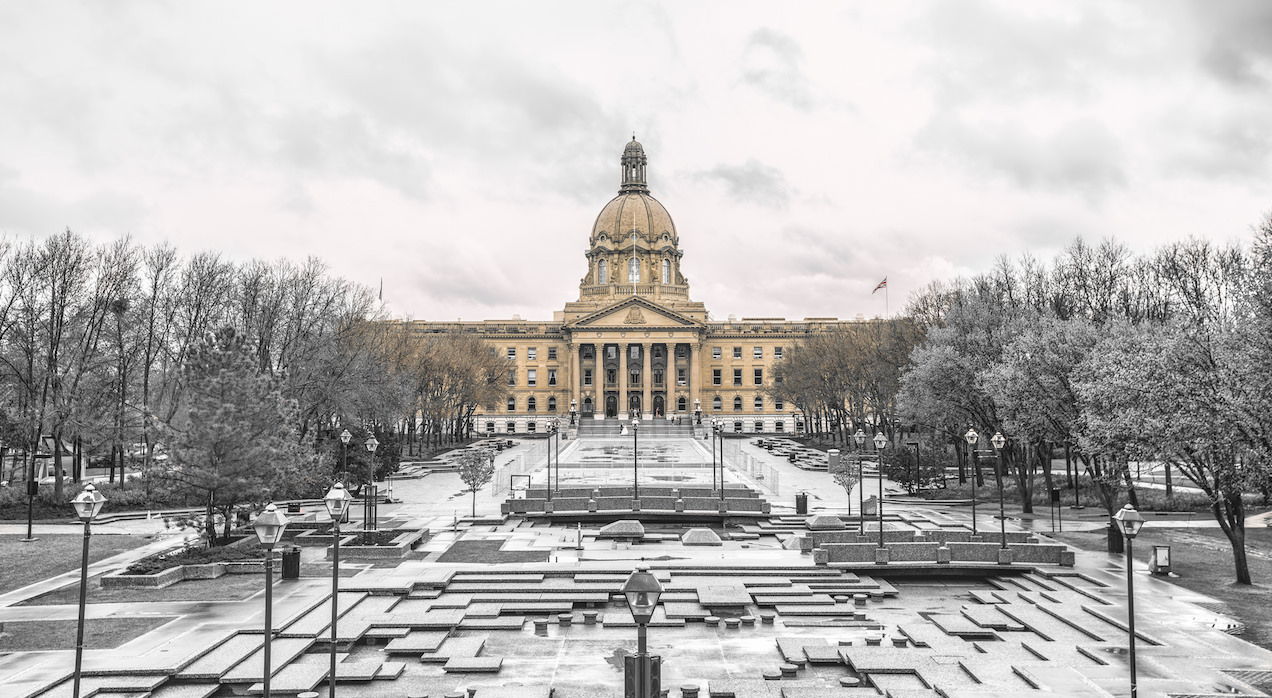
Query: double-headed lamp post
[(574, 406), (345, 436), (269, 528), (880, 441), (972, 437), (642, 591), (999, 441), (87, 505), (635, 452), (337, 503), (368, 523), (1130, 522), (860, 438)]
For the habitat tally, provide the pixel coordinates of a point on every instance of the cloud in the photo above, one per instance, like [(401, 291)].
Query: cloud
[(1236, 40), (771, 64), (24, 211), (1081, 155), (752, 182)]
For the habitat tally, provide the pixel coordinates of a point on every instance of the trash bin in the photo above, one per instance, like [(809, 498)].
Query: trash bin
[(291, 562), (801, 503), (1116, 544), (293, 508)]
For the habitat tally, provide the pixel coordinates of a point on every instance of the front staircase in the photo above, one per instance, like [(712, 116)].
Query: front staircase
[(649, 428)]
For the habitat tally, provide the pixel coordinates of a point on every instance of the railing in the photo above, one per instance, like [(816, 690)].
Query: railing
[(522, 463), (762, 473)]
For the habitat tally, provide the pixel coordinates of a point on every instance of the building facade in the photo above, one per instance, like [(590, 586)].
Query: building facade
[(634, 344)]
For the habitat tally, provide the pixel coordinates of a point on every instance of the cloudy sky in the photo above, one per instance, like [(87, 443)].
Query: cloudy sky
[(461, 151)]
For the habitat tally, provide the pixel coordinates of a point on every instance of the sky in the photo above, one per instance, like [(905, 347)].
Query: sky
[(458, 153)]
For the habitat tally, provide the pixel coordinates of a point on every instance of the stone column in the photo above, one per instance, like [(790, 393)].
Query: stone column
[(622, 381), (575, 380), (647, 377)]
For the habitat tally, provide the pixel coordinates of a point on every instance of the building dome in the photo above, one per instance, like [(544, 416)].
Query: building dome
[(633, 211)]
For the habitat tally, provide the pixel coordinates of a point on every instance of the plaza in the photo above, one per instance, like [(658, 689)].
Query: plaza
[(499, 605)]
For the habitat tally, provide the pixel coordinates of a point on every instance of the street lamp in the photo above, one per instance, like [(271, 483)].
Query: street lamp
[(554, 434), (880, 441), (642, 591), (87, 505), (635, 467), (719, 434), (972, 437), (999, 441), (337, 502), (1130, 522), (697, 411), (860, 438), (715, 426), (369, 507), (345, 436), (269, 528), (574, 404)]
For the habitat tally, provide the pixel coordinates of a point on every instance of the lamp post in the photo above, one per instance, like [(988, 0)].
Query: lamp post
[(715, 426), (642, 591), (369, 501), (999, 441), (880, 441), (269, 528), (574, 405), (972, 437), (337, 502), (860, 438), (697, 411), (345, 436), (720, 435), (87, 505), (1130, 522), (635, 452)]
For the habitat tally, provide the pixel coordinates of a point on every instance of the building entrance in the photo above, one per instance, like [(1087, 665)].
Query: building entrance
[(659, 409), (633, 405), (611, 406)]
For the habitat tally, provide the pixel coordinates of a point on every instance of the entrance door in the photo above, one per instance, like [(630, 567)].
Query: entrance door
[(588, 407), (611, 406), (633, 405), (659, 409)]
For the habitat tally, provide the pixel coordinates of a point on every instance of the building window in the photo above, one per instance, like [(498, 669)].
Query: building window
[(611, 376), (658, 377), (778, 404), (737, 352), (682, 405), (633, 271), (611, 352), (715, 377), (512, 377), (512, 404), (602, 272), (759, 403), (635, 351), (681, 352), (552, 354), (759, 427), (490, 427), (634, 378), (552, 404), (657, 351), (680, 377), (715, 352), (587, 376), (737, 376), (512, 352), (737, 404), (759, 376), (530, 404), (737, 427), (532, 377), (778, 426), (532, 353), (717, 404), (666, 271), (757, 352), (512, 427), (552, 376), (530, 427), (777, 380), (777, 352)]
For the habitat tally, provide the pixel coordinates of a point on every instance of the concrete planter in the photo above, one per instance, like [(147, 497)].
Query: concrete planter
[(400, 546), (1004, 556), (881, 556), (942, 555), (820, 556)]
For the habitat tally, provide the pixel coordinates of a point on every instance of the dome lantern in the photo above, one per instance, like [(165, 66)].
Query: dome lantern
[(634, 168)]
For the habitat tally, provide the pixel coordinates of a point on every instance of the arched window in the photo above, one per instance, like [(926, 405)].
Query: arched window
[(759, 403), (633, 270), (682, 405), (666, 271), (602, 275), (716, 403), (737, 404), (552, 404), (512, 427), (530, 404), (512, 404), (759, 427)]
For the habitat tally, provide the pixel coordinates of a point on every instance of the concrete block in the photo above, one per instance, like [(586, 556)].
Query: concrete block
[(942, 555), (881, 556), (820, 556), (1004, 556)]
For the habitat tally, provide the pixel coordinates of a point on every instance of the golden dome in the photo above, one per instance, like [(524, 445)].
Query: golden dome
[(638, 211)]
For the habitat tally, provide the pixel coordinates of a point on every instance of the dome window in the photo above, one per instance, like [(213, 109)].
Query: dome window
[(666, 271), (601, 272), (633, 271)]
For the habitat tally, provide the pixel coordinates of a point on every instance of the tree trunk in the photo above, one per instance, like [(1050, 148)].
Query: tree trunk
[(474, 502), (1131, 497), (209, 523), (1230, 513), (1068, 465), (59, 488)]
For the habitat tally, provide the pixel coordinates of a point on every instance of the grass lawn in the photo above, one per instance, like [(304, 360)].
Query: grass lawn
[(1203, 560), (27, 563), (99, 633)]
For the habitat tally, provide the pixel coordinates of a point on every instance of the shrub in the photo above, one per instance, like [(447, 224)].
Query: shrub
[(191, 556)]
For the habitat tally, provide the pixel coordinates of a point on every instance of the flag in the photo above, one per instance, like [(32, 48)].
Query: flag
[(882, 284), (382, 290)]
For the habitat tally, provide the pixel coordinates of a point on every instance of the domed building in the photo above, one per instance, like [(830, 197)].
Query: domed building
[(634, 344)]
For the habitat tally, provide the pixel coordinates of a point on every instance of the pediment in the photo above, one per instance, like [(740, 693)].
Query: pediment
[(635, 313)]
